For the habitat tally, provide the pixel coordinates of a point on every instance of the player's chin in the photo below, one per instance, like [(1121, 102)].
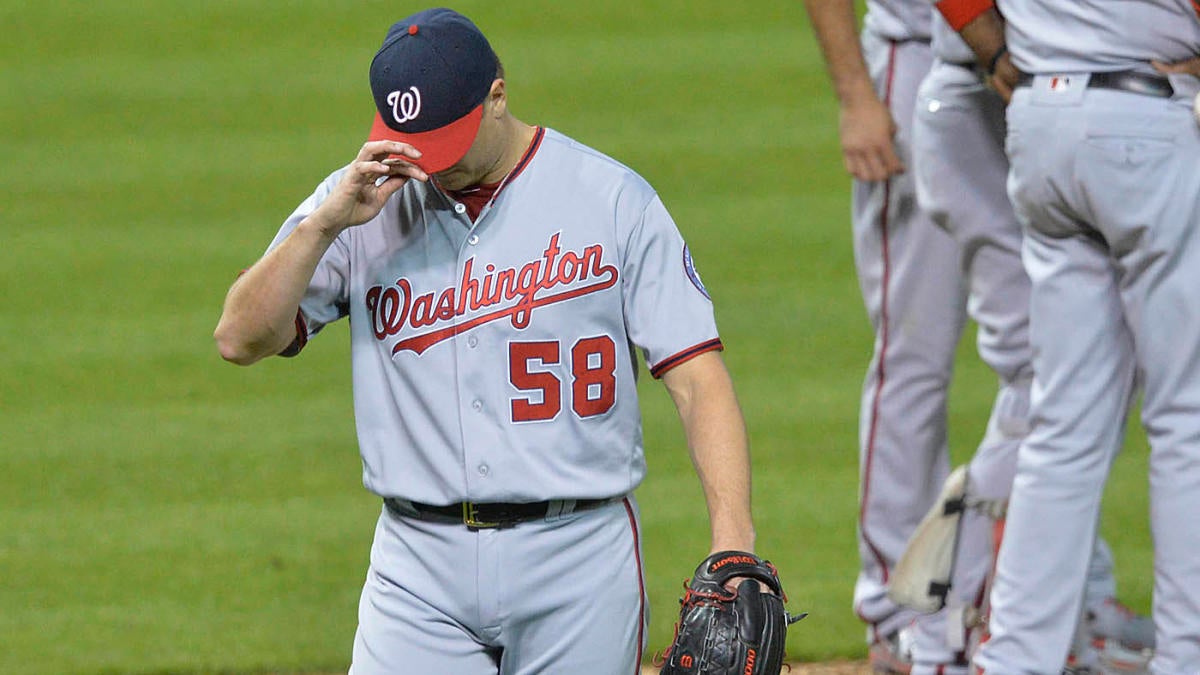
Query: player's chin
[(453, 178)]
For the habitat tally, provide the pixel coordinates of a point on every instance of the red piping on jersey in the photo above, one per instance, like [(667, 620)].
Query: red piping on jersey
[(301, 338), (538, 134), (477, 197), (637, 554), (959, 13), (688, 354), (880, 368), (1196, 5)]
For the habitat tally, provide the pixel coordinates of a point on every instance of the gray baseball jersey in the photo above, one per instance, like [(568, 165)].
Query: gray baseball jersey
[(1106, 184), (492, 360), (1099, 35)]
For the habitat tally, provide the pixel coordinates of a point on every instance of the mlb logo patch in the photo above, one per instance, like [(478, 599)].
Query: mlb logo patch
[(689, 266), (1059, 89)]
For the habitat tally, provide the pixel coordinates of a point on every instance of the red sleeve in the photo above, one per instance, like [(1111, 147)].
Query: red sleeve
[(959, 13), (670, 362)]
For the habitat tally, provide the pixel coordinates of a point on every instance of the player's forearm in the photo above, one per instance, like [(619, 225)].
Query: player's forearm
[(258, 319), (716, 436), (985, 35), (835, 25)]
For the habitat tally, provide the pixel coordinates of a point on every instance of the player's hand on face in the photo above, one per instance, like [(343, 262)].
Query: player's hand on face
[(868, 148), (1188, 67), (380, 169)]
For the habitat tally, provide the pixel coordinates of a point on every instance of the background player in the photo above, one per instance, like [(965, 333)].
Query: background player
[(960, 171), (913, 291), (496, 275), (1105, 178)]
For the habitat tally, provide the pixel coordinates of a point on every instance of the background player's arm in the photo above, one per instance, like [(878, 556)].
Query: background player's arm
[(716, 435), (865, 123), (982, 28), (1186, 67), (259, 316)]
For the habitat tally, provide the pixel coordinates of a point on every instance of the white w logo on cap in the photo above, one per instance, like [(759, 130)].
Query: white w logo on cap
[(405, 105)]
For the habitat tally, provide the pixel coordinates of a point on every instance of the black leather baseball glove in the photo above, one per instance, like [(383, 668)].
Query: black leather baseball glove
[(739, 632)]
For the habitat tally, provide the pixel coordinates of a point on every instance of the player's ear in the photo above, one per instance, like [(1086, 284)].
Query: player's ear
[(497, 98)]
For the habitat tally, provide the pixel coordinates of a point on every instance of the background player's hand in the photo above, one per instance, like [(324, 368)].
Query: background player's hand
[(868, 148), (1187, 67), (361, 194), (1004, 79)]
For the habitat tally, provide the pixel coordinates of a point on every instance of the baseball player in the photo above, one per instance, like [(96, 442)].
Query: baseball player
[(497, 277), (914, 294), (1105, 180), (960, 170)]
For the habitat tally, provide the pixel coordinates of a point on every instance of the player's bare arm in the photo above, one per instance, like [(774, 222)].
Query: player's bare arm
[(716, 436), (258, 319), (865, 123)]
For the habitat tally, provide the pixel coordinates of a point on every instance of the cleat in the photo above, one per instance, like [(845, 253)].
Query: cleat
[(891, 654)]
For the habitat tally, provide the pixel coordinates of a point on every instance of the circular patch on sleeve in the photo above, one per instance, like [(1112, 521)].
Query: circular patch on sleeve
[(690, 268)]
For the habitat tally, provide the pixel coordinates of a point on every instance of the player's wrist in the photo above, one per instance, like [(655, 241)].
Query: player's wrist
[(995, 60), (321, 227), (734, 541), (859, 97)]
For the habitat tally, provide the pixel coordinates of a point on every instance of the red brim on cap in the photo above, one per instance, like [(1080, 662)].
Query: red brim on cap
[(440, 148)]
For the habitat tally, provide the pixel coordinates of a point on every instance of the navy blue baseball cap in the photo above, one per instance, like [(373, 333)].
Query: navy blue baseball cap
[(430, 79)]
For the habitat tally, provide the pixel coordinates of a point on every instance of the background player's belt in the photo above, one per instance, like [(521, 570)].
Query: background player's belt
[(1121, 80), (491, 514)]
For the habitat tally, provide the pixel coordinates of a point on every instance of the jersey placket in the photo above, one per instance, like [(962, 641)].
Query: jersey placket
[(474, 364)]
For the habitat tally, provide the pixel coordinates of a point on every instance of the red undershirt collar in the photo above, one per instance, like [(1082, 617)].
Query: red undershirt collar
[(478, 196)]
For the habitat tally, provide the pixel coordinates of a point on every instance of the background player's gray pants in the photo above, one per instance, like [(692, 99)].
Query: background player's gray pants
[(961, 170), (1107, 185)]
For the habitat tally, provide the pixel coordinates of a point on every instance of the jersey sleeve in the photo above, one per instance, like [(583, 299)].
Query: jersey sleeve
[(668, 311), (959, 13), (327, 297)]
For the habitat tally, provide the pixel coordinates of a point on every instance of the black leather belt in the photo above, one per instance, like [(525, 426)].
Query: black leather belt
[(492, 515), (1121, 80)]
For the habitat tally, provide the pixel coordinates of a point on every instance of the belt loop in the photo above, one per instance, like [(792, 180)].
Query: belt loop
[(401, 507), (559, 508)]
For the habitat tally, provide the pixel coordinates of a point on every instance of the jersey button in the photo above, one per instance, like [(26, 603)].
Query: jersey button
[(483, 469), (477, 405), (472, 342), (473, 239), (460, 208)]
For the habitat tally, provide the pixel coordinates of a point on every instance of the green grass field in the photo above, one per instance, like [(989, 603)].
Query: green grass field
[(164, 512)]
